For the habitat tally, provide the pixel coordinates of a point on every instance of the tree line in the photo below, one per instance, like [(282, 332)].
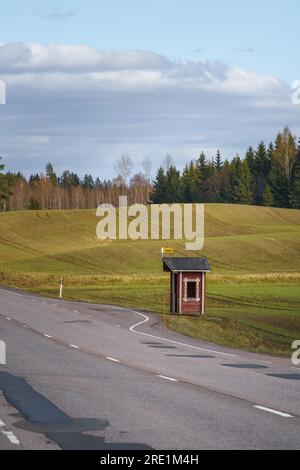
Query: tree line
[(266, 176)]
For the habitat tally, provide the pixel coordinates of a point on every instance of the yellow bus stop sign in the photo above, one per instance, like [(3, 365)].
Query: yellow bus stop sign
[(167, 251)]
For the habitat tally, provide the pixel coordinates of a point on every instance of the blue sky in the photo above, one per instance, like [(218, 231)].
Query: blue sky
[(262, 35), (88, 80)]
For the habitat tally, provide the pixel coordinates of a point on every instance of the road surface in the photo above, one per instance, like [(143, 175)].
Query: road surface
[(86, 376)]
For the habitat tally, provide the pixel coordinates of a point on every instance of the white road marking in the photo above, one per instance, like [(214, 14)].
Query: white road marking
[(275, 412), (48, 336), (74, 346), (167, 378), (75, 311), (53, 305), (13, 293), (266, 362), (118, 326), (25, 326), (172, 341), (10, 435), (112, 359), (7, 318)]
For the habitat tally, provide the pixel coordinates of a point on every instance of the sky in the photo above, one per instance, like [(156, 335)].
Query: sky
[(89, 80)]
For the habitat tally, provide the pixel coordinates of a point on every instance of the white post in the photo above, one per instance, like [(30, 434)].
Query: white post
[(61, 288)]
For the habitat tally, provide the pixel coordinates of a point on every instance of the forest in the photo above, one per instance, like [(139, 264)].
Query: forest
[(267, 175)]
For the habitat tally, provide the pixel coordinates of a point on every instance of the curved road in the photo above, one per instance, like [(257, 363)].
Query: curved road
[(86, 376)]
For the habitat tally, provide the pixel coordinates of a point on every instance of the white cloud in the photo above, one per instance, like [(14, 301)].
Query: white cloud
[(94, 103)]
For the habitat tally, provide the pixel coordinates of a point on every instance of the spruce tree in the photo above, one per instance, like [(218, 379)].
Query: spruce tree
[(173, 184), (218, 161), (4, 188), (241, 182), (295, 185), (159, 187)]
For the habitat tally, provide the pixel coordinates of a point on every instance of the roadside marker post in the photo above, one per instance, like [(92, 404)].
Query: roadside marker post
[(165, 316), (61, 288)]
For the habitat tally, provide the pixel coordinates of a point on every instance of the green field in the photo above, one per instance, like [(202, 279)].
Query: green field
[(253, 293)]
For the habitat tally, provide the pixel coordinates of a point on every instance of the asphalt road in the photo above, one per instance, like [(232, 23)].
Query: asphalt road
[(85, 376)]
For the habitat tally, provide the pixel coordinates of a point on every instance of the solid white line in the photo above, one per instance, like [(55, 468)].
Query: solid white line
[(112, 359), (170, 340), (48, 336), (13, 293), (275, 412), (167, 378), (74, 346)]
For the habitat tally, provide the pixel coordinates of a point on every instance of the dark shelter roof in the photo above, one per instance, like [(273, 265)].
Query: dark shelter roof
[(186, 264)]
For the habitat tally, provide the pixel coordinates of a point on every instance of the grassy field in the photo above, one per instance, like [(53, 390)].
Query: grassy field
[(253, 292)]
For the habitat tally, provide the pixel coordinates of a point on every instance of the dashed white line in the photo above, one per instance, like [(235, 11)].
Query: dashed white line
[(112, 359), (167, 378), (74, 346), (266, 362), (25, 326), (8, 318), (10, 435), (53, 305), (275, 412), (48, 336), (76, 311)]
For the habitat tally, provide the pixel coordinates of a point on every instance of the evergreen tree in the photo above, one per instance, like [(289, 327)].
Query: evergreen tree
[(159, 187), (88, 182), (173, 182), (268, 199), (250, 157), (50, 174), (4, 188), (189, 183), (295, 185), (34, 204), (218, 161), (241, 182), (261, 168)]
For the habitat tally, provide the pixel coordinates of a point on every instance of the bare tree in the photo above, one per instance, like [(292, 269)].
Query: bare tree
[(168, 162), (286, 151), (147, 167), (123, 167)]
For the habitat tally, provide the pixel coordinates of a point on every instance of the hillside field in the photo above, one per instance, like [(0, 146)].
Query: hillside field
[(253, 292)]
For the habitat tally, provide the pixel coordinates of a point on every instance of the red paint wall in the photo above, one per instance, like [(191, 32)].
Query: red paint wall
[(190, 307)]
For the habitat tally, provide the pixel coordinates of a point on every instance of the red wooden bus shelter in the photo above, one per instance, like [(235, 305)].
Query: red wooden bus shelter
[(188, 279)]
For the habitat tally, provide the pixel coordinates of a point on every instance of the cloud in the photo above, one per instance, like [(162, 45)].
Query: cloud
[(79, 107), (53, 13), (244, 50)]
